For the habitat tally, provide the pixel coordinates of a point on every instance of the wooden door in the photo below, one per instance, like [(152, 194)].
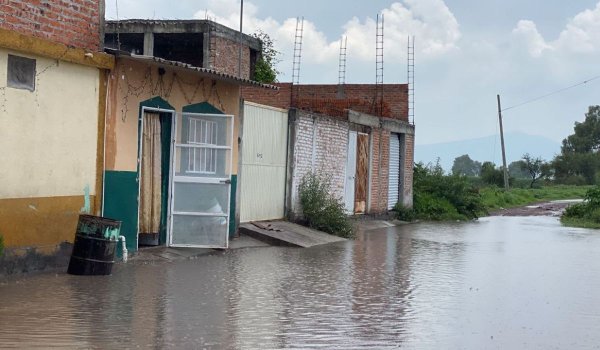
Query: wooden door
[(362, 173)]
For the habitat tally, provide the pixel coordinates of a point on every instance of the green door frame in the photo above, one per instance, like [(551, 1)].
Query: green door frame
[(166, 114)]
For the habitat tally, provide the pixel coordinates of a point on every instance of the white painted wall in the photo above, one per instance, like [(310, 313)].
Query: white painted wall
[(48, 137)]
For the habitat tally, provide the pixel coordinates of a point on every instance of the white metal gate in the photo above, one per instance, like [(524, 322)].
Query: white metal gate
[(350, 173), (264, 151), (394, 173), (201, 180)]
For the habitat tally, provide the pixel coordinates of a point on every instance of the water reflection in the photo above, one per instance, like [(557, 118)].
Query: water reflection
[(500, 282)]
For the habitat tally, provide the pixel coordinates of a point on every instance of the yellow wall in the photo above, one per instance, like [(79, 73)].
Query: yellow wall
[(133, 82), (48, 137), (49, 146)]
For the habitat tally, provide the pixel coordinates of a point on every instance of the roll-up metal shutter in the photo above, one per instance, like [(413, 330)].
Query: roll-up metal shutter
[(394, 174)]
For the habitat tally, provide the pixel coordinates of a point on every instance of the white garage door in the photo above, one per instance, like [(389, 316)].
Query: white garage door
[(264, 150), (394, 175)]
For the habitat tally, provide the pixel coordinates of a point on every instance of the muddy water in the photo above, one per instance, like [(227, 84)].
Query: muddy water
[(499, 283)]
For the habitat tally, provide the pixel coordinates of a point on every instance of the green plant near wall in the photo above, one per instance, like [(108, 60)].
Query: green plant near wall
[(322, 211)]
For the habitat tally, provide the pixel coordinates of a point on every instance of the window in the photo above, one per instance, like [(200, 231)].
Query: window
[(21, 73), (202, 160)]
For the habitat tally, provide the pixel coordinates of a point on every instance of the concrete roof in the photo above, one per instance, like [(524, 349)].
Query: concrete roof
[(209, 72), (176, 26)]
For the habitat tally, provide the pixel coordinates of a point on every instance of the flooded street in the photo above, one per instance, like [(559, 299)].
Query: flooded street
[(498, 283)]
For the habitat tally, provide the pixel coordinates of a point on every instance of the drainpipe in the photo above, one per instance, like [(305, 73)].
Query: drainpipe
[(124, 246)]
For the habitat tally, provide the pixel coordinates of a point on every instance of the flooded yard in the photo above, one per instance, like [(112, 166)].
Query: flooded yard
[(497, 283)]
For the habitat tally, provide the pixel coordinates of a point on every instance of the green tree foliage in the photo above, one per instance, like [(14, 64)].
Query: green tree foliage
[(265, 71), (441, 197), (322, 211), (517, 170), (579, 161), (492, 175), (465, 166)]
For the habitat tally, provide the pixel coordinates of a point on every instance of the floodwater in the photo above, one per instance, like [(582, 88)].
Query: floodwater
[(498, 283)]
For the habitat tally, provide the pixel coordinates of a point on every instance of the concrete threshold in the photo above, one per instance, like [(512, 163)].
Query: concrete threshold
[(284, 233), (169, 254), (368, 225)]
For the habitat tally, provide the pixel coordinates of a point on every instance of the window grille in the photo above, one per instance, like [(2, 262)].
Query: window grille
[(202, 159)]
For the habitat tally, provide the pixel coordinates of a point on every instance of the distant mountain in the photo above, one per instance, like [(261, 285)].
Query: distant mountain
[(488, 149)]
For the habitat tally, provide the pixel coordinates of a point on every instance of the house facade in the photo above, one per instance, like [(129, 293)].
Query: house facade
[(52, 96), (181, 78), (358, 136), (171, 144)]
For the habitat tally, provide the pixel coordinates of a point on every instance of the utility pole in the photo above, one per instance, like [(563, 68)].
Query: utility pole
[(240, 48), (505, 169)]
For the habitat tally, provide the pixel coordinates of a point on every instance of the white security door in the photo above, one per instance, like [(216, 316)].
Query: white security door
[(350, 173), (264, 152), (394, 174), (201, 180)]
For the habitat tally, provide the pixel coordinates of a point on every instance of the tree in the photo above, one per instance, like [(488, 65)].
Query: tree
[(516, 170), (586, 138), (533, 166), (579, 161), (491, 175), (265, 71), (464, 165)]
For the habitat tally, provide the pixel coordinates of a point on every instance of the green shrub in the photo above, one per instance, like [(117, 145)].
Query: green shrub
[(322, 211), (573, 180), (586, 214), (437, 196), (432, 207), (405, 214)]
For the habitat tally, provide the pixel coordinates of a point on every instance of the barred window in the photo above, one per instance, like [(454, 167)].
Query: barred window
[(202, 160)]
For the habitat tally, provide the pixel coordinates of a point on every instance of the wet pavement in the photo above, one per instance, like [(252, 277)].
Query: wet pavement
[(497, 283)]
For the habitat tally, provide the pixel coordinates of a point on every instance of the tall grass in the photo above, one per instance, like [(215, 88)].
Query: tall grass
[(494, 198)]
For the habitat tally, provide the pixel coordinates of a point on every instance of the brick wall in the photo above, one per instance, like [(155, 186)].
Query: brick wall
[(76, 23), (275, 98), (380, 160), (330, 139), (226, 56), (330, 100)]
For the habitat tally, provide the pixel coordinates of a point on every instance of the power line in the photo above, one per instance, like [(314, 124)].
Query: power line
[(551, 93)]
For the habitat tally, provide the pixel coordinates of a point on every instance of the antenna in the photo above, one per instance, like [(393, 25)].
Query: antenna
[(297, 58), (342, 61), (378, 100), (410, 75)]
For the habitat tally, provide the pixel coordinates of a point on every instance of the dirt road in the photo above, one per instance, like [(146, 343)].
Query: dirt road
[(554, 208)]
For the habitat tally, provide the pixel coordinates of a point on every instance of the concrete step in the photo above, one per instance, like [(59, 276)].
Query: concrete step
[(284, 233)]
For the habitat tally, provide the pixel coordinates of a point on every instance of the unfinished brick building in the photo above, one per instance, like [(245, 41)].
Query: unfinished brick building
[(201, 43), (358, 135)]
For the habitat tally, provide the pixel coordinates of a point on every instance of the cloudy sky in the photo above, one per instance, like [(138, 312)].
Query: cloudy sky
[(466, 53)]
